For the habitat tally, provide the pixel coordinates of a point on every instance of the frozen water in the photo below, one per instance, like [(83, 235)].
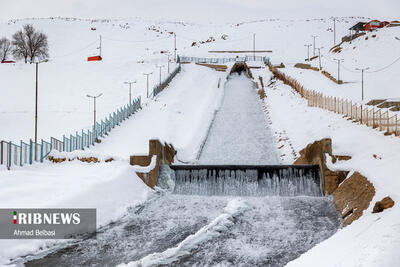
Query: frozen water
[(271, 231), (239, 134)]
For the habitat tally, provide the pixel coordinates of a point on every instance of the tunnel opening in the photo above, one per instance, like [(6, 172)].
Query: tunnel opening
[(239, 67)]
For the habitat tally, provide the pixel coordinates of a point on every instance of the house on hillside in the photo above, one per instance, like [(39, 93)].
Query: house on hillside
[(360, 26)]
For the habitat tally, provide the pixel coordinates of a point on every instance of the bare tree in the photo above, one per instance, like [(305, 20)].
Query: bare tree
[(30, 44), (20, 50), (5, 48)]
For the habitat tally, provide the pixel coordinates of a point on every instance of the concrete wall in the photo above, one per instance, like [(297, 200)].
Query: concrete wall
[(165, 155)]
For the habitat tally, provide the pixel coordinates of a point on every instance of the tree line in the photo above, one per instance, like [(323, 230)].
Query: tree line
[(27, 44)]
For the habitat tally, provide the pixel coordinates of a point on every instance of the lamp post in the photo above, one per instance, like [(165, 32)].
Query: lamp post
[(338, 61), (36, 101), (130, 91), (319, 56), (314, 36), (254, 46), (362, 81), (308, 51), (94, 114), (147, 75)]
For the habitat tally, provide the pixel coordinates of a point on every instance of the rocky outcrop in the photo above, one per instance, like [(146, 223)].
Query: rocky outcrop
[(165, 155), (385, 203), (314, 154), (352, 197)]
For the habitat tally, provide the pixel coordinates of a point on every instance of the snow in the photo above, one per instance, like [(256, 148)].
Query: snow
[(179, 115), (352, 245), (182, 113), (239, 133), (65, 185)]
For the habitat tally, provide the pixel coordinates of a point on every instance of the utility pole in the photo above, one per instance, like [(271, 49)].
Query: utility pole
[(362, 81), (100, 46), (130, 91), (147, 74), (175, 47), (94, 115), (36, 102), (308, 51), (338, 61), (314, 36), (319, 56), (334, 31), (254, 46)]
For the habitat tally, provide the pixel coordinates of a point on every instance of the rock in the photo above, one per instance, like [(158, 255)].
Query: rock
[(352, 197), (385, 203)]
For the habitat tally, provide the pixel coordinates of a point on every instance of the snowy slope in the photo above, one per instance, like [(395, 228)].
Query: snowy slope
[(133, 46), (373, 239)]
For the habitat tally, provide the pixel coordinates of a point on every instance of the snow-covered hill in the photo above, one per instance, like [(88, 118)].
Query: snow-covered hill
[(131, 47)]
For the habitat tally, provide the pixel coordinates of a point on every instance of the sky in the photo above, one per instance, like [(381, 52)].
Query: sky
[(200, 10)]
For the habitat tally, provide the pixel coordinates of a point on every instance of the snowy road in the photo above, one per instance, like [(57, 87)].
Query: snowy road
[(265, 231), (239, 134)]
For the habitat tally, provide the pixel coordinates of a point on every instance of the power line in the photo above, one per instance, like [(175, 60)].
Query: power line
[(135, 41), (76, 51), (381, 69)]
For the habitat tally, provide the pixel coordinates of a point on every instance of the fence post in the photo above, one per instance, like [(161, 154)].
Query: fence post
[(41, 152), (30, 151), (20, 155), (9, 155)]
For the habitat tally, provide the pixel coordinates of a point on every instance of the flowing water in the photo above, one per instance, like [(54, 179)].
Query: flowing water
[(230, 215)]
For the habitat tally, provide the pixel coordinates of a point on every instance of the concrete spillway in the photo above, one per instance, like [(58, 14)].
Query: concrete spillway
[(234, 180)]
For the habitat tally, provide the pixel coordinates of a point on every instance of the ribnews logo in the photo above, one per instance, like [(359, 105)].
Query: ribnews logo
[(47, 223), (46, 218)]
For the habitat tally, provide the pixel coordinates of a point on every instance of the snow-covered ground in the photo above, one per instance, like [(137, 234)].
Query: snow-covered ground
[(373, 239), (65, 185), (179, 115), (182, 112), (131, 47)]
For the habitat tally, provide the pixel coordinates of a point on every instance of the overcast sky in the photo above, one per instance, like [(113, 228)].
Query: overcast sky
[(200, 10)]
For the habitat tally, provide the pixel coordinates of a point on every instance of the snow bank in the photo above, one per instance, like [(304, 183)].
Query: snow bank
[(180, 115), (109, 187), (373, 239), (220, 224)]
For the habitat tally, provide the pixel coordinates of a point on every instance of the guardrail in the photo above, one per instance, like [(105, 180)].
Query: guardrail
[(223, 60), (27, 153), (158, 88)]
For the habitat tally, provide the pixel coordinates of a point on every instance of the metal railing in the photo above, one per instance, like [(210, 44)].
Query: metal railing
[(223, 60), (22, 154)]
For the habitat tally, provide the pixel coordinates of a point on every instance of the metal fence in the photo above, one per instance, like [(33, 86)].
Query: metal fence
[(223, 60), (158, 88), (21, 154), (369, 116)]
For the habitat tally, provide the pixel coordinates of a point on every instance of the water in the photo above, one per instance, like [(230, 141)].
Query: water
[(271, 232), (239, 133), (245, 181)]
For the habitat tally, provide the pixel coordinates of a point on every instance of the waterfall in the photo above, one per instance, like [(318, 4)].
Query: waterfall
[(248, 180)]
